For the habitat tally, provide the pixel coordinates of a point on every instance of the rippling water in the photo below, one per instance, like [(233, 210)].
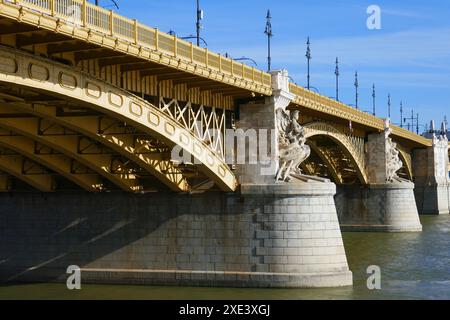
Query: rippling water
[(413, 266)]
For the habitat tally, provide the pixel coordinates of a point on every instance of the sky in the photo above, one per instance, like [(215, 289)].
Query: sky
[(409, 57)]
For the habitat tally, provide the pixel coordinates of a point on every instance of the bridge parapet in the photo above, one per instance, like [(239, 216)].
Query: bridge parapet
[(328, 106), (93, 24)]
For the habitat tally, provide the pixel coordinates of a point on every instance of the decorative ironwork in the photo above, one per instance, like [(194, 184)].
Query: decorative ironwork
[(206, 123), (353, 145)]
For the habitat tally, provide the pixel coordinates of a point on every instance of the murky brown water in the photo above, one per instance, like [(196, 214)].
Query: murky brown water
[(414, 266)]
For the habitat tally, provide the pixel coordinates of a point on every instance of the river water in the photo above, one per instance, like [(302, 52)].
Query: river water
[(413, 266)]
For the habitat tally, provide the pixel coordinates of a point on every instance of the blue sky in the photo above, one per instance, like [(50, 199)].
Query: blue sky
[(408, 58)]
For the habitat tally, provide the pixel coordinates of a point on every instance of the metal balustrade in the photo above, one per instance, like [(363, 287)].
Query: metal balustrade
[(83, 13)]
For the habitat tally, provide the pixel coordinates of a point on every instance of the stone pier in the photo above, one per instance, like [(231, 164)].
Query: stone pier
[(431, 177), (266, 237), (302, 219), (378, 208), (387, 204)]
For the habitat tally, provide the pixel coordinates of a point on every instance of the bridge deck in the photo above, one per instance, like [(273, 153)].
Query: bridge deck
[(80, 31)]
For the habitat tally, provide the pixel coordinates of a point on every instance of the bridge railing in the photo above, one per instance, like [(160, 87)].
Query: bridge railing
[(83, 13), (327, 105)]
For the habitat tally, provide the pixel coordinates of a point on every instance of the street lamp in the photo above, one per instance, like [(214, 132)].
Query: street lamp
[(247, 59), (198, 25), (414, 121), (417, 119), (269, 34), (242, 59), (389, 106), (336, 72), (356, 89), (401, 114), (308, 58), (374, 96)]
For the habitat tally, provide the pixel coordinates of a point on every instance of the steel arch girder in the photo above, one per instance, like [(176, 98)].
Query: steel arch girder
[(324, 129), (68, 145), (13, 165), (88, 126), (55, 162), (331, 167), (26, 70)]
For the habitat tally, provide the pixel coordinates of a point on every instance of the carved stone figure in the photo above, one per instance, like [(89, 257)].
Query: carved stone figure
[(292, 148), (393, 162)]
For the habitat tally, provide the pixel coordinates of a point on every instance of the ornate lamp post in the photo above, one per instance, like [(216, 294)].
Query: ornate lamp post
[(269, 34), (389, 106), (356, 90), (401, 114), (198, 25), (336, 72), (308, 58), (374, 100)]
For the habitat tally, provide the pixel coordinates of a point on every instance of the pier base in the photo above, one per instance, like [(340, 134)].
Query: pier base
[(433, 199), (299, 233), (378, 208), (268, 236)]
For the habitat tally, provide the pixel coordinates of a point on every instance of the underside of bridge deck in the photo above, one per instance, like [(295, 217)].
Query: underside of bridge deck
[(83, 147), (95, 148)]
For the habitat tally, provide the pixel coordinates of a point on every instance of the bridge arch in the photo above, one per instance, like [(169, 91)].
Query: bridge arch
[(14, 164), (55, 162), (405, 157), (28, 71), (352, 146)]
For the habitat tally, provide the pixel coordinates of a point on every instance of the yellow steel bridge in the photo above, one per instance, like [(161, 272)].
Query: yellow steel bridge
[(92, 99)]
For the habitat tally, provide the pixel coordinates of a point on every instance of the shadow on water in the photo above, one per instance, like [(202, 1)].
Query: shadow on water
[(413, 266)]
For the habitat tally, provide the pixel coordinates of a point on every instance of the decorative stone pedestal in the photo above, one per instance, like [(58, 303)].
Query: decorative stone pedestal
[(300, 242), (384, 208)]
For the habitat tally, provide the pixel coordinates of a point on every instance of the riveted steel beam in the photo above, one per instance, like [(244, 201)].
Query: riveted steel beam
[(14, 165), (123, 144), (68, 145), (55, 162)]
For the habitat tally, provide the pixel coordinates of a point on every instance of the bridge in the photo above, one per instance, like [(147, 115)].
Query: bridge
[(91, 101)]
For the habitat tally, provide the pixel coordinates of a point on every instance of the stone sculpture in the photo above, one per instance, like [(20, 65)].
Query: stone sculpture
[(293, 150), (393, 162)]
